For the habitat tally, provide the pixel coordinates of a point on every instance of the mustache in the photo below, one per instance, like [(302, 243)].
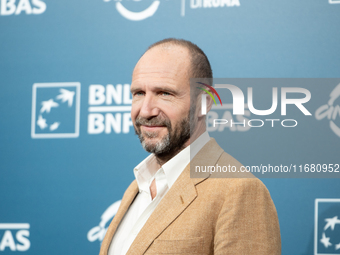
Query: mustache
[(155, 121)]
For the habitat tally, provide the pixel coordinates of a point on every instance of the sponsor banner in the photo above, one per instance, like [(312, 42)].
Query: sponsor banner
[(97, 233), (14, 237), (140, 10), (136, 10), (109, 109), (13, 7), (327, 226), (193, 5), (56, 109)]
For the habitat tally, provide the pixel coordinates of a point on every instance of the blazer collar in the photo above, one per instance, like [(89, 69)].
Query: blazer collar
[(176, 200), (127, 200)]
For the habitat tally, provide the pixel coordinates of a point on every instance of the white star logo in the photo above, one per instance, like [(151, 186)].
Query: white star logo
[(42, 122), (325, 240), (66, 95), (54, 126), (47, 105), (337, 246), (331, 222), (55, 110)]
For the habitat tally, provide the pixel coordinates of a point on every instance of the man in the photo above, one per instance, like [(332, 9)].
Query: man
[(164, 211)]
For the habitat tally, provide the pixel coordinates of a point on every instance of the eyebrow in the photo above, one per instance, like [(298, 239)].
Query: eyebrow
[(157, 89), (133, 90)]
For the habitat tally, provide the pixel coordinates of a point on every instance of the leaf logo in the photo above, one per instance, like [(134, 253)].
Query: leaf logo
[(209, 93)]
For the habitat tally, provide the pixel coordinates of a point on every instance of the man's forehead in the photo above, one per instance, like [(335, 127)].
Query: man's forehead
[(166, 60)]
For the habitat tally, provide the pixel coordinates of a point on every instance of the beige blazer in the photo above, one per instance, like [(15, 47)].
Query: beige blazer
[(206, 215)]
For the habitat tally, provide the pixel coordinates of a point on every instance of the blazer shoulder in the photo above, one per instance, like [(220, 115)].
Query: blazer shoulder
[(228, 167), (234, 178), (226, 158), (234, 184)]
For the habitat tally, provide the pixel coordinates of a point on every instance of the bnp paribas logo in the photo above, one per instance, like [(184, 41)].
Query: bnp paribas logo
[(327, 226), (55, 110)]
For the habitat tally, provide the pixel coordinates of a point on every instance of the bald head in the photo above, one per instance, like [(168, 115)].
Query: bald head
[(199, 63), (166, 60)]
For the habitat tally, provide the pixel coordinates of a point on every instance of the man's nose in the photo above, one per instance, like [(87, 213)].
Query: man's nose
[(149, 107)]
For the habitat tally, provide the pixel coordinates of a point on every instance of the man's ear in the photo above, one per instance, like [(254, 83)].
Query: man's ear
[(209, 102)]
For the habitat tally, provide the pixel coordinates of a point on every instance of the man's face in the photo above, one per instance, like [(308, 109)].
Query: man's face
[(161, 99)]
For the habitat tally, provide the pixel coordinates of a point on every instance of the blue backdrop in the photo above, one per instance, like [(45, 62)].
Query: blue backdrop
[(67, 148)]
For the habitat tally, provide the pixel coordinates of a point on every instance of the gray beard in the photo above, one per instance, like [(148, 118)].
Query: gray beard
[(171, 143), (158, 148)]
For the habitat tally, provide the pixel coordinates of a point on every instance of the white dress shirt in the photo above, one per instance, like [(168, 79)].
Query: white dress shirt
[(143, 205)]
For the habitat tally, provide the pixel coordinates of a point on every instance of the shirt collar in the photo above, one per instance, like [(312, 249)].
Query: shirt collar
[(146, 170)]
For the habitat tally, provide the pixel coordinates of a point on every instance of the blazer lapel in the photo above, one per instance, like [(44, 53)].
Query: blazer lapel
[(180, 195), (128, 198), (173, 203)]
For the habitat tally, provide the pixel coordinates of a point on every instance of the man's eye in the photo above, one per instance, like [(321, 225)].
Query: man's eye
[(163, 93), (139, 93)]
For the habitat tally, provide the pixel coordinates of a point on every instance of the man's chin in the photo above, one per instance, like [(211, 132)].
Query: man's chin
[(156, 145), (150, 147), (150, 144)]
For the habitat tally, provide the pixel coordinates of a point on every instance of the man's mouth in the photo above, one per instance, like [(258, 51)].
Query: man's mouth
[(152, 127)]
